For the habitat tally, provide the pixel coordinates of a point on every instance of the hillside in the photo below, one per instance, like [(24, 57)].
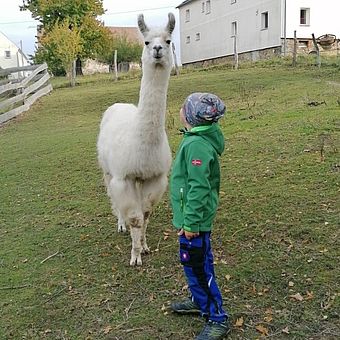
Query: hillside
[(275, 239)]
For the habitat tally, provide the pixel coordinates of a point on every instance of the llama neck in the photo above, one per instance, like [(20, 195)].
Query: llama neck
[(152, 103)]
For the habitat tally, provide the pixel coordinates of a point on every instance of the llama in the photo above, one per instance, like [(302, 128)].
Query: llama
[(133, 148)]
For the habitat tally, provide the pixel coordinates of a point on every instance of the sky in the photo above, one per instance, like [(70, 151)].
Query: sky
[(21, 28)]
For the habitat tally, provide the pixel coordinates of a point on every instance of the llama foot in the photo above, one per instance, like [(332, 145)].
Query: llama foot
[(121, 227), (136, 260), (145, 249)]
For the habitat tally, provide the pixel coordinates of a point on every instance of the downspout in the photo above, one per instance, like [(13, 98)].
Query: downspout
[(284, 27)]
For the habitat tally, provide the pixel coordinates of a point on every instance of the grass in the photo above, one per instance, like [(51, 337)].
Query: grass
[(275, 238)]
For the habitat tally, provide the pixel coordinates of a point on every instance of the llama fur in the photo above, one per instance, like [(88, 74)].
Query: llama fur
[(133, 148)]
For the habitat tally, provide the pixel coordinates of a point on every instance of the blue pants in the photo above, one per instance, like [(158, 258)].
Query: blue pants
[(197, 260)]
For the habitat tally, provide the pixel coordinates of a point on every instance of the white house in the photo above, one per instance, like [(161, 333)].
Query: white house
[(10, 54), (211, 29)]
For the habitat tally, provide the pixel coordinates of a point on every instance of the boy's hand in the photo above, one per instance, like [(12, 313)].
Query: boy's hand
[(188, 234)]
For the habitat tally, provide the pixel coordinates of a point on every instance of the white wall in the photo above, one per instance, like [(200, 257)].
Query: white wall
[(16, 57), (215, 28), (324, 18)]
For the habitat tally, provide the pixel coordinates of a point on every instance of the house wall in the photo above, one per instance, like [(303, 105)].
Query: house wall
[(324, 18), (16, 57), (215, 28)]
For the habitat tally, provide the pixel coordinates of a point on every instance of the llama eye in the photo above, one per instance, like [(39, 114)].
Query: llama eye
[(168, 42), (147, 43)]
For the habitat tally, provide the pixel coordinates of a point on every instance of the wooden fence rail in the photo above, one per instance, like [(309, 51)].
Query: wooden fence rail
[(17, 95)]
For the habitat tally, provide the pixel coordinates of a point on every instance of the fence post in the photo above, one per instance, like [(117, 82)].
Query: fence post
[(115, 65), (235, 52), (175, 59), (295, 50), (318, 59)]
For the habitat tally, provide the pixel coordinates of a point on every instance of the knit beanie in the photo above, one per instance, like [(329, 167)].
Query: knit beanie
[(203, 108)]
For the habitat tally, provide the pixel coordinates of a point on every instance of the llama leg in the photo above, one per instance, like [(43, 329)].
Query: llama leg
[(136, 237), (121, 223), (145, 248), (126, 197), (124, 201), (152, 192)]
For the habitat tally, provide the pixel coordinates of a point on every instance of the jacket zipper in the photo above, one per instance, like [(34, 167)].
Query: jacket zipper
[(182, 198)]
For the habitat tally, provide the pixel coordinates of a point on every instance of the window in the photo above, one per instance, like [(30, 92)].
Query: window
[(8, 54), (208, 7), (187, 40), (234, 28), (203, 7), (198, 36), (264, 20), (233, 1), (304, 16), (187, 15)]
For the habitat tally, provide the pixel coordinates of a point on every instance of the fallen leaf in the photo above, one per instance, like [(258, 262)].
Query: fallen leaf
[(309, 296), (285, 330), (268, 318), (268, 311), (228, 277), (297, 297), (239, 322), (263, 330), (291, 284), (107, 329)]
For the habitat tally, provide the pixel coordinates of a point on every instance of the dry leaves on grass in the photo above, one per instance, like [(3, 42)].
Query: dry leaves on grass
[(297, 297), (263, 330), (239, 322)]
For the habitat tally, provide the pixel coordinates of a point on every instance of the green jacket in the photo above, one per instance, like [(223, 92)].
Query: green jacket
[(195, 178)]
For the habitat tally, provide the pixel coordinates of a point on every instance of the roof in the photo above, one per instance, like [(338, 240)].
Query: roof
[(184, 3), (131, 33)]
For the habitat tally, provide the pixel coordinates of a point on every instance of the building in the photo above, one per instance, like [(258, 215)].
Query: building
[(10, 54), (214, 29)]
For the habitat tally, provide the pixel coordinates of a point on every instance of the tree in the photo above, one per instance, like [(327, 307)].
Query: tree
[(66, 45), (128, 50), (79, 15)]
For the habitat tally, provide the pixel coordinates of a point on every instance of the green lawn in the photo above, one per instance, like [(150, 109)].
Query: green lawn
[(275, 239)]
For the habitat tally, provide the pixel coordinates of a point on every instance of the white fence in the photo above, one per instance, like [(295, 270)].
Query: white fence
[(17, 95)]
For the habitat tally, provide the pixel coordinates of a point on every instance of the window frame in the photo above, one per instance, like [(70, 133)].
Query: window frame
[(187, 15), (264, 20), (208, 7), (234, 27), (8, 54), (306, 11)]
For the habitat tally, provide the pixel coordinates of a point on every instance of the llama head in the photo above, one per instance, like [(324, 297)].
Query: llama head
[(157, 50)]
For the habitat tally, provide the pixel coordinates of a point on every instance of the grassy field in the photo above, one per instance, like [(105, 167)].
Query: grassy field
[(64, 270)]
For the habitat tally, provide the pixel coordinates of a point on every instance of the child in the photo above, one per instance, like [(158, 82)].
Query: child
[(194, 190)]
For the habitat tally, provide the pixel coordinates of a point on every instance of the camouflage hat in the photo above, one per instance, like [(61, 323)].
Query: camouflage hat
[(203, 108)]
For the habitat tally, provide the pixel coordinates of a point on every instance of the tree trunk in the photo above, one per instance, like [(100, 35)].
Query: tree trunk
[(79, 69)]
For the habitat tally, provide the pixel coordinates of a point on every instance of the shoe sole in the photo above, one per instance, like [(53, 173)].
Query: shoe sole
[(186, 311)]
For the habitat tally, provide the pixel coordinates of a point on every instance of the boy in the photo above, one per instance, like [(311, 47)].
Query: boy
[(194, 190)]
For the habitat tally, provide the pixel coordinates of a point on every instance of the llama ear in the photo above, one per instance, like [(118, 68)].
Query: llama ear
[(171, 23), (141, 24)]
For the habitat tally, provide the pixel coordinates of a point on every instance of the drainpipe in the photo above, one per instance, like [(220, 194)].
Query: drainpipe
[(284, 27)]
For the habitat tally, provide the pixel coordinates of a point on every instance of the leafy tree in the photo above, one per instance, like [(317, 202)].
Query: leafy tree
[(65, 43), (127, 50), (80, 16)]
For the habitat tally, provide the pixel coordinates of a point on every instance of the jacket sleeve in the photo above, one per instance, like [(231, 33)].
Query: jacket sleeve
[(198, 158)]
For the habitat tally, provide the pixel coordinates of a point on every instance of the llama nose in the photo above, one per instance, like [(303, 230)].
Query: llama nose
[(157, 50)]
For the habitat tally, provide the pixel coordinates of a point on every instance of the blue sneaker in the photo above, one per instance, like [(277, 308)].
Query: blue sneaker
[(214, 331)]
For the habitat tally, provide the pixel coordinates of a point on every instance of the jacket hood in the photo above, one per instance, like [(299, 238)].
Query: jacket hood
[(211, 133)]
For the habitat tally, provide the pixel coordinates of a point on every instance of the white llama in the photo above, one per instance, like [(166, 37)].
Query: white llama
[(133, 148)]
